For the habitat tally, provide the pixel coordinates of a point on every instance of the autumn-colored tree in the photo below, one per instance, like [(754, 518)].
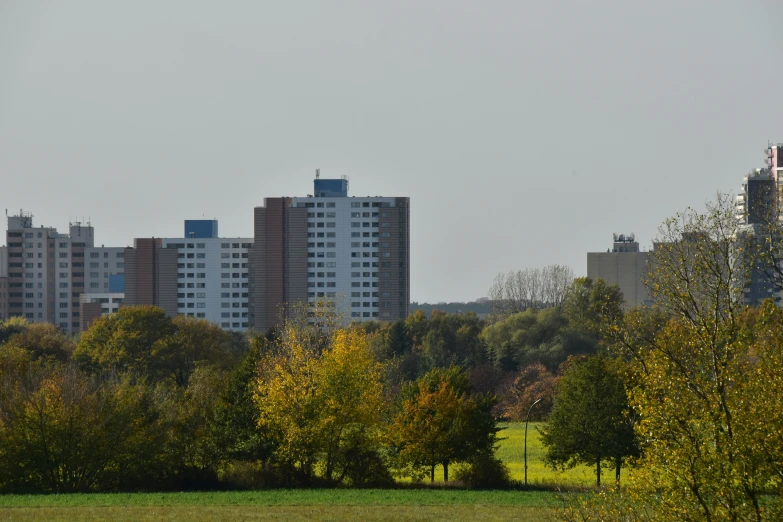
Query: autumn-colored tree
[(440, 423), (43, 340), (322, 407), (533, 383), (12, 326), (62, 431)]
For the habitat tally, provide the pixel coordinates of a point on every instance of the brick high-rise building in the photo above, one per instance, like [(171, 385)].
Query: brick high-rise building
[(151, 275), (355, 250)]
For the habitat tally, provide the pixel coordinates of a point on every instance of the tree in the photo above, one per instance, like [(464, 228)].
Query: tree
[(533, 383), (705, 379), (139, 339), (198, 340), (43, 340), (440, 423), (12, 326), (531, 288), (149, 344), (591, 421), (236, 420), (62, 431), (590, 305), (323, 408), (534, 337)]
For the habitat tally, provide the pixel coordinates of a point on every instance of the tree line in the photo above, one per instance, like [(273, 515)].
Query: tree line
[(144, 401)]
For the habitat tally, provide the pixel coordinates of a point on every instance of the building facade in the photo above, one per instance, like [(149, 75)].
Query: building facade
[(3, 283), (95, 305), (354, 251), (199, 275), (48, 270), (625, 266)]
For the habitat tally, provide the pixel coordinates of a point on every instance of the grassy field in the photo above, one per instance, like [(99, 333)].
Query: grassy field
[(419, 504), (511, 451), (325, 504)]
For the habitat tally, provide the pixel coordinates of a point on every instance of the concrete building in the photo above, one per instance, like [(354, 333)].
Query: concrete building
[(353, 250), (3, 283), (46, 270), (197, 275), (92, 306), (625, 266)]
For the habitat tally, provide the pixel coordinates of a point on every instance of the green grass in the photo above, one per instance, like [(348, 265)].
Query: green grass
[(511, 451), (319, 504), (289, 497)]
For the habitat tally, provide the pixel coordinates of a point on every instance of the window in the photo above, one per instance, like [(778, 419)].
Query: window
[(201, 255), (200, 245), (225, 245)]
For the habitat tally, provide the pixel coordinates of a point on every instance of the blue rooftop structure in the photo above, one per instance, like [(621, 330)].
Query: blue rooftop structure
[(330, 188), (201, 228)]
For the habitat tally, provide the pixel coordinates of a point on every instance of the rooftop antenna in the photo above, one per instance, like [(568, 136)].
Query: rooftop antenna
[(317, 173)]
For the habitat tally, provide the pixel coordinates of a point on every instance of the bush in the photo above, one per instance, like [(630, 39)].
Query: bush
[(483, 471)]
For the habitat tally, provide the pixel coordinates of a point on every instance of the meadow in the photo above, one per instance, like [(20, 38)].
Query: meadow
[(405, 503)]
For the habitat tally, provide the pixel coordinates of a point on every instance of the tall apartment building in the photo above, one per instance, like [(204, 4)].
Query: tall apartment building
[(3, 283), (625, 266), (355, 250), (198, 275), (47, 272)]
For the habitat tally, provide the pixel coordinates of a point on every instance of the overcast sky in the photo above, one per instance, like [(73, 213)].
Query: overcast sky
[(524, 132)]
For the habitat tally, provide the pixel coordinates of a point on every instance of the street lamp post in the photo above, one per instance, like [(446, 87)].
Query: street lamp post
[(526, 419)]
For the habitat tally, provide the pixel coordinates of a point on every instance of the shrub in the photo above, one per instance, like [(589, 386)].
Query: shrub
[(483, 471)]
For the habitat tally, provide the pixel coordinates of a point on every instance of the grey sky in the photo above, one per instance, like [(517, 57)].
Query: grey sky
[(524, 132)]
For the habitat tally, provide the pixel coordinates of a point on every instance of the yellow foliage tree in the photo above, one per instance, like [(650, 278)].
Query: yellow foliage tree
[(322, 408)]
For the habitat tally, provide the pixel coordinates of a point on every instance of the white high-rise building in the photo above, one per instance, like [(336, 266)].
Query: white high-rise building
[(354, 250), (212, 275)]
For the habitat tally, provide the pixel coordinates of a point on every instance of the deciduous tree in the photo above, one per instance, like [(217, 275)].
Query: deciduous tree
[(591, 422), (441, 423)]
